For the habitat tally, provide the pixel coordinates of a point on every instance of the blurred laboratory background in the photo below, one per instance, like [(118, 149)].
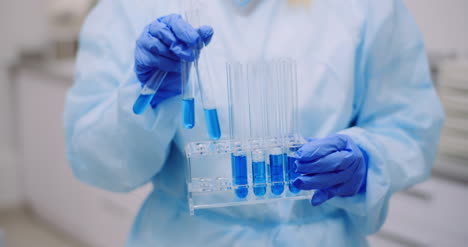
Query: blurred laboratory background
[(42, 204)]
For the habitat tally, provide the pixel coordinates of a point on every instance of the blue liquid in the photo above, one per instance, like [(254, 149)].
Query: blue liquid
[(277, 173), (188, 111), (259, 178), (212, 123), (239, 174), (292, 174), (142, 102)]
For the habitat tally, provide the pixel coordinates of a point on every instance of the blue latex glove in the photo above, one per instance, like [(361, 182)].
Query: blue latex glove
[(334, 166), (162, 45)]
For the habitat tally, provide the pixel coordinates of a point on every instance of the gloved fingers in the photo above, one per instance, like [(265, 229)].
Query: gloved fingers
[(163, 32), (206, 33), (167, 65), (321, 196), (184, 52), (171, 83), (155, 46), (146, 65), (336, 161), (323, 180), (353, 185), (315, 150), (181, 29)]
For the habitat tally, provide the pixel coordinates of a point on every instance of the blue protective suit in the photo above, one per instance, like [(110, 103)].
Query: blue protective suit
[(362, 72)]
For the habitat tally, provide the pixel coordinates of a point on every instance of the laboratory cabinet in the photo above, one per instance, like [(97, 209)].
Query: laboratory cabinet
[(430, 214), (96, 217)]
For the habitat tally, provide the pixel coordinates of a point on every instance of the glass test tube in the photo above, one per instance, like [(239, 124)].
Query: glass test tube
[(148, 91), (188, 94), (255, 85), (205, 83), (292, 136), (239, 127), (283, 73), (259, 173), (188, 73), (204, 80), (274, 124)]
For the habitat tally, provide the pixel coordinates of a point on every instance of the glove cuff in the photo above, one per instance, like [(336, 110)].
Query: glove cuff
[(363, 187)]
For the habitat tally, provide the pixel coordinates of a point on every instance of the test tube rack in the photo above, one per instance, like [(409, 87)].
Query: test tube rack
[(257, 163)]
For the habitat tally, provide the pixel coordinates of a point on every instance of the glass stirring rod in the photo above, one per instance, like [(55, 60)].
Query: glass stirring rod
[(148, 92)]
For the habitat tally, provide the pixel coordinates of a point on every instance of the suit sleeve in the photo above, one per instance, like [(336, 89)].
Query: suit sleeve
[(400, 118), (107, 145)]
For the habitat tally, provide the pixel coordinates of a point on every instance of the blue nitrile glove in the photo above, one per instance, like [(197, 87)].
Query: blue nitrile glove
[(162, 45), (334, 166)]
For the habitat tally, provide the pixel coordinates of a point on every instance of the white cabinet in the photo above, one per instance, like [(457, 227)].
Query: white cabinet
[(96, 217), (430, 214)]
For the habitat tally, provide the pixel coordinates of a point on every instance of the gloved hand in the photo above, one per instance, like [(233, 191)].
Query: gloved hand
[(162, 45), (334, 166)]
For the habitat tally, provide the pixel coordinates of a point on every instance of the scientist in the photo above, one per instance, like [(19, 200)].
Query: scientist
[(365, 97)]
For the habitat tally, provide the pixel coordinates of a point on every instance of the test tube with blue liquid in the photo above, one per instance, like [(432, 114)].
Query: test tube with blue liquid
[(274, 109), (256, 78), (189, 70), (291, 170), (188, 95), (205, 84), (239, 127), (239, 174), (148, 92), (203, 79), (259, 179), (292, 138)]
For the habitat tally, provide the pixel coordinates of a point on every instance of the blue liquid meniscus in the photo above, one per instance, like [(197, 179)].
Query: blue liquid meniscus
[(239, 175), (212, 123), (259, 178), (292, 174), (188, 113), (142, 102), (277, 173)]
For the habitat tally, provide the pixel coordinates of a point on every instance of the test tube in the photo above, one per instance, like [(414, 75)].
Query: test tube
[(255, 86), (274, 127), (188, 95), (292, 133), (148, 91), (239, 127), (188, 72), (259, 173), (208, 99), (204, 80)]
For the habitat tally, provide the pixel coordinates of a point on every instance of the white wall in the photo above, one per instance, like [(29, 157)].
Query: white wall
[(444, 23), (22, 26), (10, 195)]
